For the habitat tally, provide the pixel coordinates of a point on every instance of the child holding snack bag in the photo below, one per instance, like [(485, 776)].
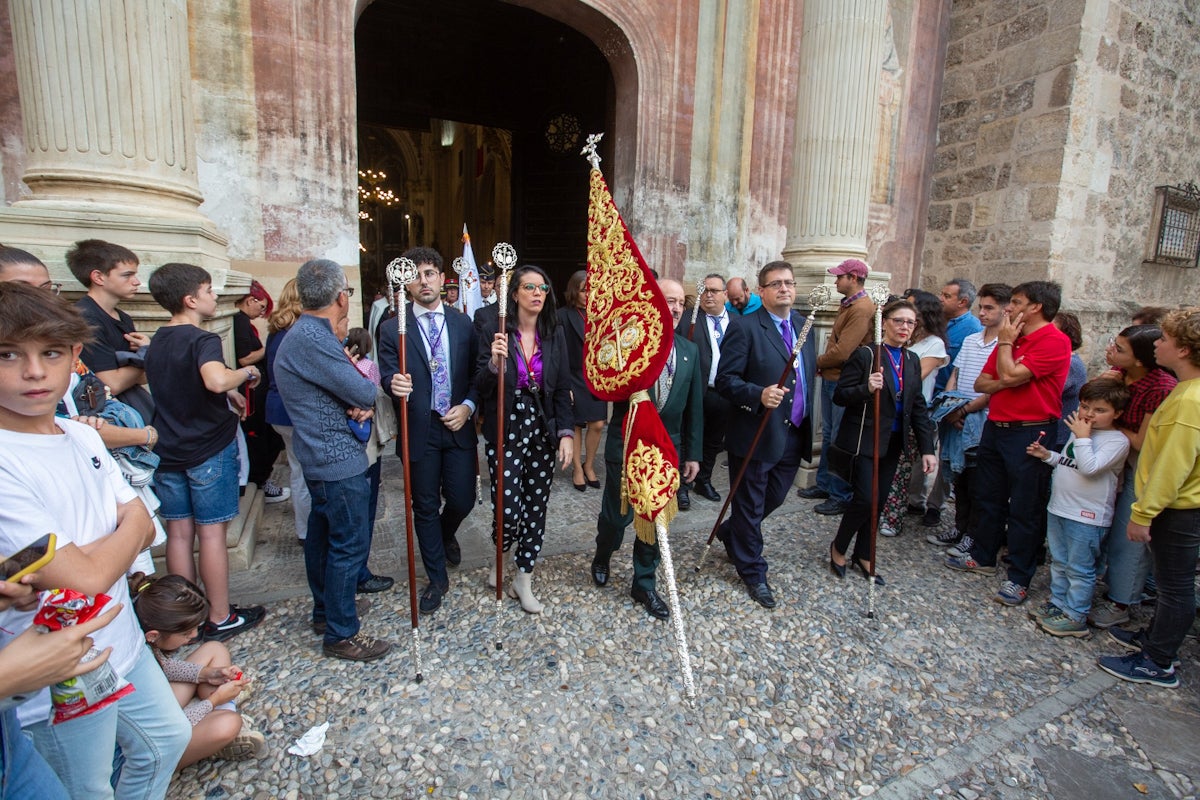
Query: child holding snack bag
[(170, 610)]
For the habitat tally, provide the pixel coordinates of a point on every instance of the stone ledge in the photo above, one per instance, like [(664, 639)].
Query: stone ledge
[(240, 538)]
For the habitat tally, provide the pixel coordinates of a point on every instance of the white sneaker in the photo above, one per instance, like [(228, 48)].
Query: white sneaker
[(887, 530), (275, 494)]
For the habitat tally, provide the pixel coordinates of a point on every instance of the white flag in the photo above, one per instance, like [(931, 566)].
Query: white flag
[(468, 278)]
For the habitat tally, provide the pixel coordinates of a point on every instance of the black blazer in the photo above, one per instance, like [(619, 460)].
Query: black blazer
[(852, 392), (556, 380), (464, 357), (702, 336), (753, 357)]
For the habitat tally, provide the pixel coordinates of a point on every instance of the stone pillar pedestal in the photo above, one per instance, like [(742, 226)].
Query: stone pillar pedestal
[(105, 94)]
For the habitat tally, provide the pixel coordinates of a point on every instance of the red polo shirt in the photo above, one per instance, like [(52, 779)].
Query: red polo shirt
[(1047, 354)]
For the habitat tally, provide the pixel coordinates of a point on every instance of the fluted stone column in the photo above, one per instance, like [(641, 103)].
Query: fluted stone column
[(105, 95), (841, 53)]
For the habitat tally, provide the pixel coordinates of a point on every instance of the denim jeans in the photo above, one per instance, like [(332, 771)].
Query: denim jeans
[(831, 418), (1074, 546), (336, 550), (301, 501), (1009, 493), (1128, 562), (23, 771), (149, 726), (374, 479), (1175, 545)]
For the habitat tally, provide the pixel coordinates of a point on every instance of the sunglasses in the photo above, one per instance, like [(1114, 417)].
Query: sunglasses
[(544, 288)]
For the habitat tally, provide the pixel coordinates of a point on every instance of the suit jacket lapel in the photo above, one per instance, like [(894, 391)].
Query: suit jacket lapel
[(772, 334), (576, 322), (416, 331)]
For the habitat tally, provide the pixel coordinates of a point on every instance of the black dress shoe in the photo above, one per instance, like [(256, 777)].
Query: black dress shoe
[(830, 508), (706, 490), (683, 498), (812, 493), (431, 599), (453, 551), (652, 602), (761, 594), (593, 482), (375, 583), (600, 570), (866, 573)]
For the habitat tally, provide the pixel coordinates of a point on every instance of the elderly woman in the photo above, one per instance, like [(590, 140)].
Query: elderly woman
[(902, 408), (532, 351), (590, 411)]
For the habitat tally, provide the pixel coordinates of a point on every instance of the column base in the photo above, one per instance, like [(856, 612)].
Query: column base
[(49, 230)]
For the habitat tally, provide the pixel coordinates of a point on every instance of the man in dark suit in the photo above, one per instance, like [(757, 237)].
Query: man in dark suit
[(754, 353), (682, 415), (441, 349), (711, 324)]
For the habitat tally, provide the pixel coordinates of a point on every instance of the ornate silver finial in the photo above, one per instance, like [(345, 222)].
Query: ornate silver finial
[(399, 272), (879, 293), (820, 295), (460, 266), (589, 149), (504, 255)]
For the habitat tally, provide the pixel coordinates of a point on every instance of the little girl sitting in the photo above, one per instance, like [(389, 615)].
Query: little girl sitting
[(170, 609)]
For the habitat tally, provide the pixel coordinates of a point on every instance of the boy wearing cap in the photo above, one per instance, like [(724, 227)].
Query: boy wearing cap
[(851, 330)]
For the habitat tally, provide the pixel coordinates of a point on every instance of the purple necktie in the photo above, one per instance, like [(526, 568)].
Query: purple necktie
[(797, 415)]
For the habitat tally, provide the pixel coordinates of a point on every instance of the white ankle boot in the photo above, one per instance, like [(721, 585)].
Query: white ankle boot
[(522, 589), (491, 575)]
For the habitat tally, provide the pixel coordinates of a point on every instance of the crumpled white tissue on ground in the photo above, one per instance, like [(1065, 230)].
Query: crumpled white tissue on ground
[(310, 742)]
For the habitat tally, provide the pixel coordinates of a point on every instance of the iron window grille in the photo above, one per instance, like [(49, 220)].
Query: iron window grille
[(1176, 226)]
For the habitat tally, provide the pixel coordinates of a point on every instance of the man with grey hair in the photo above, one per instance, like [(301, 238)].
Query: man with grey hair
[(958, 295), (709, 332), (323, 392)]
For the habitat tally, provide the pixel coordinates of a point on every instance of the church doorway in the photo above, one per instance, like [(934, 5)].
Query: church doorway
[(474, 111)]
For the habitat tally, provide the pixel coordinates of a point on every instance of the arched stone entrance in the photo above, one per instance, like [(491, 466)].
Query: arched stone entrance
[(477, 113)]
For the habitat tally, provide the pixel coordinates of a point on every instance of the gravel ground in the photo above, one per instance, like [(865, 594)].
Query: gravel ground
[(810, 700)]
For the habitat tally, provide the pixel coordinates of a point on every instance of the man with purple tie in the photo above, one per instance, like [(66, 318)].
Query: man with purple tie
[(441, 348), (754, 353)]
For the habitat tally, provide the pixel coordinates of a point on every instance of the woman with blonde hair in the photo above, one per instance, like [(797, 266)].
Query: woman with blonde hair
[(280, 321)]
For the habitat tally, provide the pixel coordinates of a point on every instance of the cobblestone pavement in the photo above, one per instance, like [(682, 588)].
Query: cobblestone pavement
[(944, 694)]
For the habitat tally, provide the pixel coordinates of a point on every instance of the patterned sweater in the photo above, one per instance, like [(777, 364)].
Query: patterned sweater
[(318, 382)]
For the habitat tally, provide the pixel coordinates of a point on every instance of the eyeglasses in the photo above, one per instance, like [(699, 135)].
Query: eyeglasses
[(780, 284), (349, 290), (712, 291), (544, 288), (904, 323), (53, 286)]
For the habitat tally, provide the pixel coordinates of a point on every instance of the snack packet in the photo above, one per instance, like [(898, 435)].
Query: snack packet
[(94, 690)]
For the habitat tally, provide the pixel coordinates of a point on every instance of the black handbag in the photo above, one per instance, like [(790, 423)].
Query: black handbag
[(839, 460), (90, 395)]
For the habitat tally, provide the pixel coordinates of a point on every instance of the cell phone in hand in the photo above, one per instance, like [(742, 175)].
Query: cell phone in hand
[(29, 559)]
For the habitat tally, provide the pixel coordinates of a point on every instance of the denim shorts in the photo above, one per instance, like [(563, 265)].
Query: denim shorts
[(207, 492)]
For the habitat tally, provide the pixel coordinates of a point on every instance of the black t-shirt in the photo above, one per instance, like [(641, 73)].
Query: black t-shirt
[(245, 337), (193, 423), (108, 333)]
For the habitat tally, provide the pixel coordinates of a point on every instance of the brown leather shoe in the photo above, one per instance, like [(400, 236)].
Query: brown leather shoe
[(358, 647)]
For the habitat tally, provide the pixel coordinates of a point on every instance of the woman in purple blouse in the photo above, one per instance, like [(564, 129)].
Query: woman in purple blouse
[(538, 421)]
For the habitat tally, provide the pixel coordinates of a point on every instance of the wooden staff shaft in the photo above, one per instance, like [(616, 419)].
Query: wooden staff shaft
[(408, 509)]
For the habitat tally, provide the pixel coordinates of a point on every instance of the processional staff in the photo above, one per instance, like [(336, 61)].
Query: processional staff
[(401, 272), (504, 256)]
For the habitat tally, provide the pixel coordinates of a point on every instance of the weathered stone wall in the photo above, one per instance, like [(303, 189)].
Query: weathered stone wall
[(1058, 119)]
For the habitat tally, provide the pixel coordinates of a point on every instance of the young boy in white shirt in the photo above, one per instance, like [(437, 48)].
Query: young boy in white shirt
[(56, 476), (1082, 496)]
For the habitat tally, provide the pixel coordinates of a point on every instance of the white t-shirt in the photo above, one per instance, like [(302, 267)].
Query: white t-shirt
[(1084, 487), (69, 486), (930, 347), (971, 358)]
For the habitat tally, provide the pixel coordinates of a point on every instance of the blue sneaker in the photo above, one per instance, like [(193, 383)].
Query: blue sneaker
[(967, 563), (1133, 641), (1136, 668), (1011, 594)]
